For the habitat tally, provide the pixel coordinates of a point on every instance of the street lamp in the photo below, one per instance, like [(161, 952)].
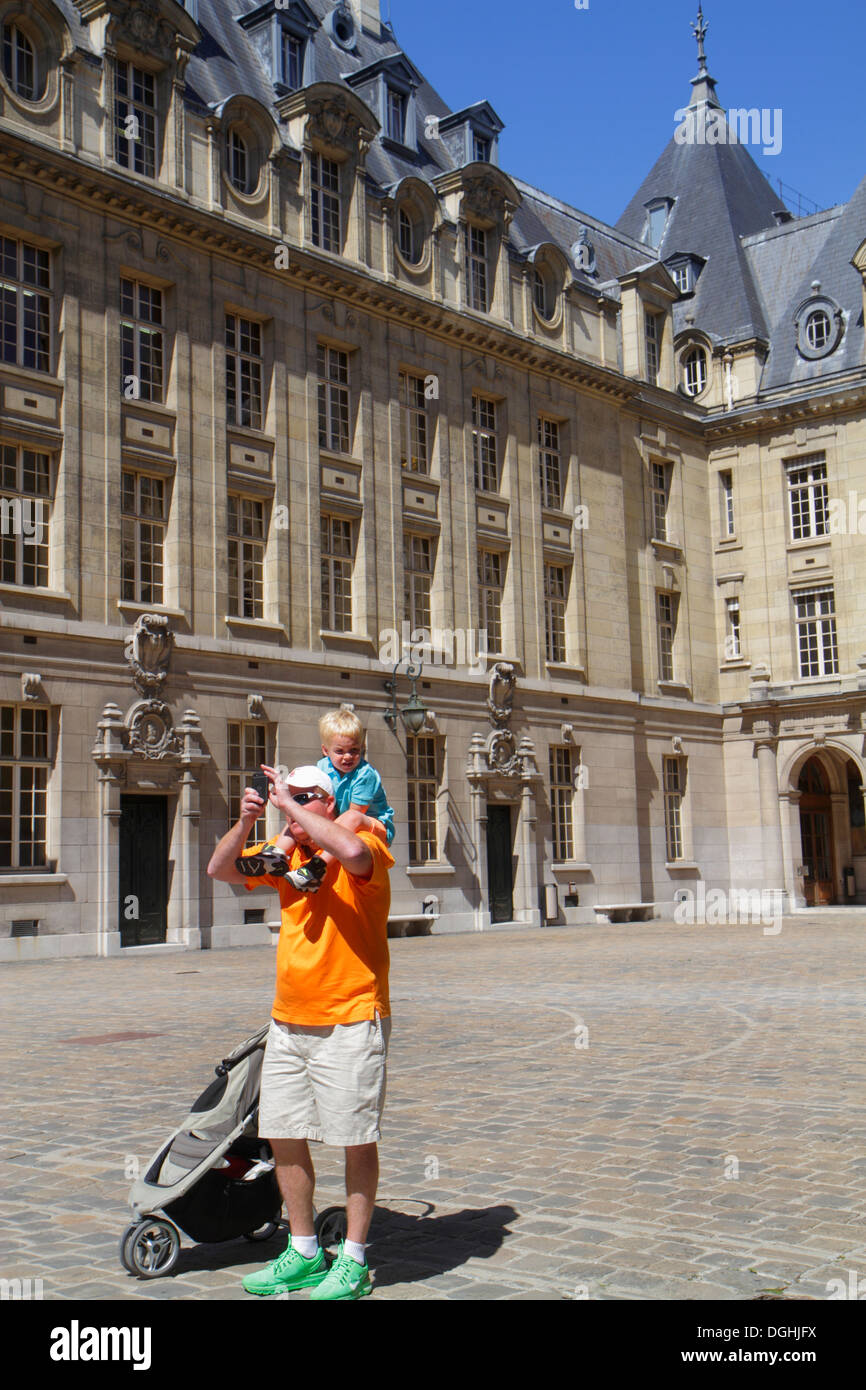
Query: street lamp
[(414, 714)]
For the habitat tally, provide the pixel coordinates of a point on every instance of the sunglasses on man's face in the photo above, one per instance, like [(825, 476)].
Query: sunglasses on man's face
[(303, 797)]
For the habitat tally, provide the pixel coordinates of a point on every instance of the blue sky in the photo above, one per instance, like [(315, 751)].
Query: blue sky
[(588, 96)]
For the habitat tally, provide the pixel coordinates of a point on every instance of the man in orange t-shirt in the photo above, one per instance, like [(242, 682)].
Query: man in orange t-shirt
[(324, 1071)]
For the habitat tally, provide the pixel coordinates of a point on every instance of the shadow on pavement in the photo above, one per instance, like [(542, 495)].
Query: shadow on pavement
[(402, 1249)]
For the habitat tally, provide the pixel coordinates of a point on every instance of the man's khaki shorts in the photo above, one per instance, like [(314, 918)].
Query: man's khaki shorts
[(324, 1083)]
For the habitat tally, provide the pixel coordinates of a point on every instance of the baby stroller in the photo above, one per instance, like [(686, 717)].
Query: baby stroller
[(214, 1179)]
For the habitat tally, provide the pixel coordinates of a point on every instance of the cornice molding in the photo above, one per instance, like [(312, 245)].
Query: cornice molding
[(198, 228)]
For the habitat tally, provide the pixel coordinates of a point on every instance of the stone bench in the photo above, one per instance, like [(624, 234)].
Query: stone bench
[(626, 912), (415, 924)]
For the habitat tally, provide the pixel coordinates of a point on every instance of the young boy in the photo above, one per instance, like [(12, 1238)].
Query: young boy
[(360, 795)]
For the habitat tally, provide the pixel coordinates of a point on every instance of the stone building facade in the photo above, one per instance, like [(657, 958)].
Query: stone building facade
[(298, 384)]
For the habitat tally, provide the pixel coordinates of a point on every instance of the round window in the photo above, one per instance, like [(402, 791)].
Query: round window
[(820, 327), (342, 26), (818, 330)]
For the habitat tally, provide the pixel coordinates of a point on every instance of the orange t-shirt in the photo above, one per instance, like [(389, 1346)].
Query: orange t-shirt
[(332, 955)]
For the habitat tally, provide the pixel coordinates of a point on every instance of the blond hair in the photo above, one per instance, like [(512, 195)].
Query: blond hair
[(341, 723)]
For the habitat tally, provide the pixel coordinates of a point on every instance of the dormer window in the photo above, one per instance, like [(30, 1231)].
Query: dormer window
[(135, 119), (471, 136), (820, 325), (395, 115), (280, 32), (477, 269), (388, 87), (658, 212), (325, 222), (293, 61), (482, 149)]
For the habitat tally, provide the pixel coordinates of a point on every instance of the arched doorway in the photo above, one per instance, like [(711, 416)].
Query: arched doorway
[(816, 833)]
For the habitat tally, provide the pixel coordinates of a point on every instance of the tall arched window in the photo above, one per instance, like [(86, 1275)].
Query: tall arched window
[(695, 371), (239, 163), (19, 63)]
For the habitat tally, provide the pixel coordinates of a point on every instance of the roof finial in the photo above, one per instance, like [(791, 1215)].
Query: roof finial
[(700, 32)]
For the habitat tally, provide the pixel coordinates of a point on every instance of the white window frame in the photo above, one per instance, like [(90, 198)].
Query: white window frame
[(17, 769), (335, 399), (816, 634), (808, 506), (338, 537), (423, 787), (140, 528), (247, 528), (26, 304), (25, 515), (244, 339)]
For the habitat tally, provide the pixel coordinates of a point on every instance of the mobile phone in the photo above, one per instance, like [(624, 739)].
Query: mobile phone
[(261, 786)]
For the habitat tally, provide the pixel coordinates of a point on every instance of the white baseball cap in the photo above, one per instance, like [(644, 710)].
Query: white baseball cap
[(304, 779)]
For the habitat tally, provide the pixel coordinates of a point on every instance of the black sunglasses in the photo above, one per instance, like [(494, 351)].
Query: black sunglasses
[(303, 797)]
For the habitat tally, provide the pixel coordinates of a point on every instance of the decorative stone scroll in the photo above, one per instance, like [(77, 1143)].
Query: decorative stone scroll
[(147, 653)]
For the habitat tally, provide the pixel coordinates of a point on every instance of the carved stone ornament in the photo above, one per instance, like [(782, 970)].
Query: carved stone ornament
[(142, 27), (30, 683), (151, 733), (500, 702), (147, 651), (333, 122), (502, 755), (255, 706), (583, 253), (484, 199)]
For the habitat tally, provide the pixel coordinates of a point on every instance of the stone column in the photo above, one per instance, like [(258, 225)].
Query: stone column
[(768, 782), (789, 802), (527, 907), (478, 805), (185, 927), (840, 839), (110, 755)]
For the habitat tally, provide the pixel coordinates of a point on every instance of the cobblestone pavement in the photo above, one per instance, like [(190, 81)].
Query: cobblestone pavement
[(613, 1112)]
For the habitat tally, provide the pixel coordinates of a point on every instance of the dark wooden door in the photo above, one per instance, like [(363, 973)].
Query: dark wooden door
[(143, 870), (818, 884), (500, 879)]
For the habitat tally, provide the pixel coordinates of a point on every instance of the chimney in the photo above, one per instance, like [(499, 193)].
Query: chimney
[(368, 16)]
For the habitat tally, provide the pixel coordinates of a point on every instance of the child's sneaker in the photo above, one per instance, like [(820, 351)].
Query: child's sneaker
[(308, 877)]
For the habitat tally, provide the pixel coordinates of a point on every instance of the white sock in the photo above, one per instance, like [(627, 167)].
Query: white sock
[(351, 1247), (305, 1245)]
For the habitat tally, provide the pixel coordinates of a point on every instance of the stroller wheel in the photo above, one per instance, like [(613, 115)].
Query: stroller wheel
[(265, 1232), (150, 1248), (331, 1226)]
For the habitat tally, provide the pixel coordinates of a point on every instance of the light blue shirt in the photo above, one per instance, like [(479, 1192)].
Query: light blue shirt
[(363, 787)]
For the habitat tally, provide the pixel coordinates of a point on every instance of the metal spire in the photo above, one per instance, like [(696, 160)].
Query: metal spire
[(700, 32)]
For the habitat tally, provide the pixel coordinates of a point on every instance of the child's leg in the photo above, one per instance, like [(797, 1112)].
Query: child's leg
[(354, 821), (305, 879)]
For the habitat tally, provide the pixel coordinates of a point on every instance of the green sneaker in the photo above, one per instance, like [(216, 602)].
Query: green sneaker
[(290, 1271), (346, 1279)]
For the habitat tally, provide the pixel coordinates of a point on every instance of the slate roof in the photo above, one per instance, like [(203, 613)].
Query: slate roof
[(785, 263), (755, 273)]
